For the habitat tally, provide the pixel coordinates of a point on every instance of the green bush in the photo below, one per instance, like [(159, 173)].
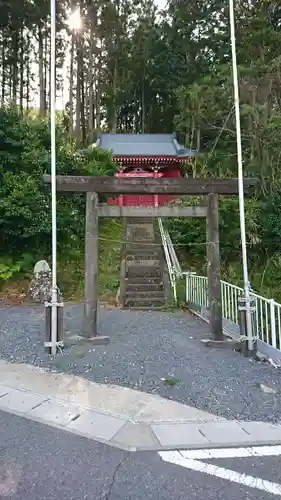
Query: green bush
[(25, 202)]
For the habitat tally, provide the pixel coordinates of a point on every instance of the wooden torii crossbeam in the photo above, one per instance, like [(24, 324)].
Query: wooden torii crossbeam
[(93, 185), (141, 185)]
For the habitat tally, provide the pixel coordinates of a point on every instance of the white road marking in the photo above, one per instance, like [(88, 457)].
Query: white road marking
[(254, 451), (175, 457)]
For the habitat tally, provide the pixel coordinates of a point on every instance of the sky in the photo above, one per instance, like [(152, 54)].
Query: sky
[(160, 3)]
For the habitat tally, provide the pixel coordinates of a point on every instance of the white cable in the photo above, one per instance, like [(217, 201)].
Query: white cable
[(53, 179)]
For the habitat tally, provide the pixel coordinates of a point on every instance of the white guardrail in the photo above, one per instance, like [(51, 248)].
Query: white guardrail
[(174, 268), (266, 317)]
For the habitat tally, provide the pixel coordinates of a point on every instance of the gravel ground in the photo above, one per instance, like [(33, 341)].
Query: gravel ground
[(148, 351)]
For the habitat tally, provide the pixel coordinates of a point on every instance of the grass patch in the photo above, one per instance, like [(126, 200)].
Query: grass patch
[(171, 381), (71, 268), (71, 271), (78, 353), (110, 254), (181, 302), (181, 292)]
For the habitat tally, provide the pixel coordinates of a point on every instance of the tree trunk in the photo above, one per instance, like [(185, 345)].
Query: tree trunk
[(27, 85), (48, 71), (41, 73), (142, 106), (28, 76), (90, 98), (71, 80), (198, 138), (3, 74), (21, 70), (98, 114), (15, 48), (78, 91), (83, 110), (113, 118), (10, 80)]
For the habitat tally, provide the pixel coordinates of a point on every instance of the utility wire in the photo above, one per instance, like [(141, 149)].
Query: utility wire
[(149, 243)]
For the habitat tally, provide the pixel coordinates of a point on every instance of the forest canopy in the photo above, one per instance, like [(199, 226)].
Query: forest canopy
[(127, 66)]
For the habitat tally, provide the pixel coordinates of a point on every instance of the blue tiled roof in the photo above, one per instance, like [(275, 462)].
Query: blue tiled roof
[(147, 145)]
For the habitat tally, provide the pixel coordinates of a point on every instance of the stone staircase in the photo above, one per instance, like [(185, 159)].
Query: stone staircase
[(143, 277)]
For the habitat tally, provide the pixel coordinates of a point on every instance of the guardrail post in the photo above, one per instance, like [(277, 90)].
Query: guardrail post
[(48, 324), (243, 327)]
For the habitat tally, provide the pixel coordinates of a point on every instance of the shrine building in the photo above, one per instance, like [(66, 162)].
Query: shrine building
[(145, 155)]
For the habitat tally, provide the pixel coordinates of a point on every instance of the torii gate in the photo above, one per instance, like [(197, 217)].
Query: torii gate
[(92, 185)]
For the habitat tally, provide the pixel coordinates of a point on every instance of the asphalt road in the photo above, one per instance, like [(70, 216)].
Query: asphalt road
[(39, 462)]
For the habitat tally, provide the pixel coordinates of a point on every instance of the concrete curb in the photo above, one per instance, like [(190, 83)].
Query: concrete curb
[(119, 416)]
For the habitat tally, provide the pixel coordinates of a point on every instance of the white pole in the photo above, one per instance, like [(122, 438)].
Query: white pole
[(53, 177), (240, 178)]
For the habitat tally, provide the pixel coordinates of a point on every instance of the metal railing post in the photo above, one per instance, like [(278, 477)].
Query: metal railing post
[(187, 288), (273, 323), (248, 349), (265, 313)]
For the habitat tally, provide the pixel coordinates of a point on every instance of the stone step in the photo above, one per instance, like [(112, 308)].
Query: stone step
[(147, 281), (150, 302), (141, 263), (141, 239), (143, 271), (140, 220), (142, 249), (140, 228), (141, 225), (144, 308), (144, 287), (157, 294), (141, 231), (143, 252), (141, 258)]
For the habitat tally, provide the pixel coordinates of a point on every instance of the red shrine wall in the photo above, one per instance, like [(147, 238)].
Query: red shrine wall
[(132, 200)]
